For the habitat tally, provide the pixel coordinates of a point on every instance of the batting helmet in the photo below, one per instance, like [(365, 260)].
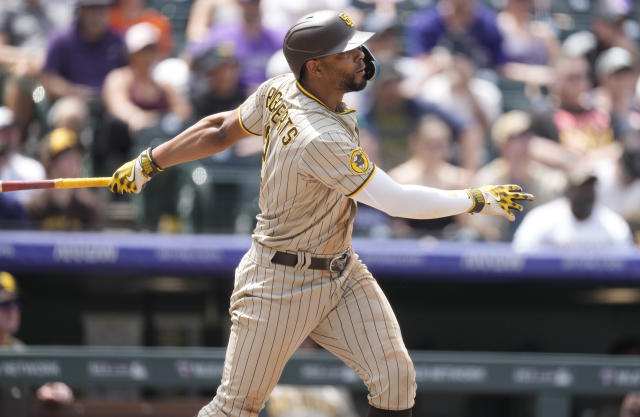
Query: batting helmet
[(325, 33)]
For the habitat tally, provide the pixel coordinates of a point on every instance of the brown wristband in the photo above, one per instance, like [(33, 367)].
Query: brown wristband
[(478, 200)]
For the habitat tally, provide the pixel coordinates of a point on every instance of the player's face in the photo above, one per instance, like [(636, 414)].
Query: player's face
[(347, 70)]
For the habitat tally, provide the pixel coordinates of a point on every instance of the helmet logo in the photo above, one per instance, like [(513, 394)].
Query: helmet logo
[(346, 19)]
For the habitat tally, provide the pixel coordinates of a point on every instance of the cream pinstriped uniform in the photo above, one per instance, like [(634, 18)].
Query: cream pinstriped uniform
[(312, 163)]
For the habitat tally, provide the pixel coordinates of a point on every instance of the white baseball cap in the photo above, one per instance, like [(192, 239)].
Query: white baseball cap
[(140, 36)]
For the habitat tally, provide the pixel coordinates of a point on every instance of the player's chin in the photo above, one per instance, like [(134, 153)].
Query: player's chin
[(358, 85)]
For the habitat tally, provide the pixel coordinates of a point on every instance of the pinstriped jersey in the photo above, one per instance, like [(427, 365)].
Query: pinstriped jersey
[(312, 164)]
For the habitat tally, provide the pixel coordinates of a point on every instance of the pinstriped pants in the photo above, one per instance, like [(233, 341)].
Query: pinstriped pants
[(275, 307)]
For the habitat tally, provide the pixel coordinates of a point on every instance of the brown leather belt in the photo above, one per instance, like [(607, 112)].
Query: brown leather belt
[(335, 264)]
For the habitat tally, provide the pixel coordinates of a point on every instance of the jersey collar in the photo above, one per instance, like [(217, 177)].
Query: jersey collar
[(308, 94)]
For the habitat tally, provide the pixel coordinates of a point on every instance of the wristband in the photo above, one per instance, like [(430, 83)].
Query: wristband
[(478, 200)]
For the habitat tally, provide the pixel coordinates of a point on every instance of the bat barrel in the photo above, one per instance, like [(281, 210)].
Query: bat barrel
[(25, 185), (57, 183)]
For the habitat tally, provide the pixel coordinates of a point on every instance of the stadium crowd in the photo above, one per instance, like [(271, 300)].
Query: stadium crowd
[(538, 93)]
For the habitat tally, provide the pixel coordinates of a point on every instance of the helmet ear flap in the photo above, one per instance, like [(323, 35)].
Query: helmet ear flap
[(371, 68)]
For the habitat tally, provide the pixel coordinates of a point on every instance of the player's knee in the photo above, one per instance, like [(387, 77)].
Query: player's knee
[(396, 389)]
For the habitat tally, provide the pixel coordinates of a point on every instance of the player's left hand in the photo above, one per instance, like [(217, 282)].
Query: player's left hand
[(132, 176), (499, 200)]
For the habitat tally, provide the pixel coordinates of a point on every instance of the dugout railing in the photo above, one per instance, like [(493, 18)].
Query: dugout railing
[(553, 379)]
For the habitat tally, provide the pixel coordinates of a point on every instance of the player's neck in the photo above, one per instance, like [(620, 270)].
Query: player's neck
[(331, 98)]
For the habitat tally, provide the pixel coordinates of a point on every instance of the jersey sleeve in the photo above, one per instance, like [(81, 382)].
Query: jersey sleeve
[(337, 164), (251, 112)]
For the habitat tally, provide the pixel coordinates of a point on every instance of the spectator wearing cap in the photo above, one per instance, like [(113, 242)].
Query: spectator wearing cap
[(575, 221), (252, 42), (127, 13), (131, 94), (80, 57), (133, 99), (606, 31), (15, 401), (220, 71), (63, 209), (13, 165), (617, 79), (511, 135), (9, 311)]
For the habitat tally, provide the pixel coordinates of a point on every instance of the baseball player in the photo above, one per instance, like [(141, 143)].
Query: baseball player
[(301, 277)]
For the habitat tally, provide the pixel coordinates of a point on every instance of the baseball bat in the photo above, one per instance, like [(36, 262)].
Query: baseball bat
[(56, 183)]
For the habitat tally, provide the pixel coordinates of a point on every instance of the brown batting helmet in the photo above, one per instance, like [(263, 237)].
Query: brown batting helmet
[(325, 33)]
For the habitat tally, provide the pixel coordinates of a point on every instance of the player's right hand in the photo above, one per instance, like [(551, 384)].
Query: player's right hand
[(132, 176), (498, 200)]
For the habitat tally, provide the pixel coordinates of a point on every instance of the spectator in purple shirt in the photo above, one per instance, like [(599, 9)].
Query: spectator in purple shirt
[(461, 26), (252, 43), (80, 57)]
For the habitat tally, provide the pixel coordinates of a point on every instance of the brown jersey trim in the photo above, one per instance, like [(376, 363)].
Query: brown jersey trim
[(364, 183), (242, 125), (308, 94)]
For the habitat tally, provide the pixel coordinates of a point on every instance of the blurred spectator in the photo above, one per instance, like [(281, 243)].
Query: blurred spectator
[(69, 112), (527, 41), (571, 128), (80, 57), (9, 312), (252, 42), (221, 71), (64, 209), (617, 79), (284, 13), (465, 27), (127, 13), (131, 94), (392, 116), (457, 90), (12, 213), (13, 165), (630, 405), (430, 150), (618, 183), (575, 221), (207, 13), (511, 135), (24, 29), (15, 401), (607, 31)]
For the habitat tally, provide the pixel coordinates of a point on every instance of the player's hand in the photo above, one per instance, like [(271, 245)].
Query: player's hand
[(498, 200), (132, 176)]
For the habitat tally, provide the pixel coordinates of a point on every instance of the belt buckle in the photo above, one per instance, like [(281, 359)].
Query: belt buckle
[(338, 263)]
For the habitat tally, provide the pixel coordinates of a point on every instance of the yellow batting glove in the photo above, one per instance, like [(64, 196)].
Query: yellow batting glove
[(132, 176), (498, 200)]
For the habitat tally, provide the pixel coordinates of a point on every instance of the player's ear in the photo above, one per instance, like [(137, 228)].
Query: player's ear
[(313, 68)]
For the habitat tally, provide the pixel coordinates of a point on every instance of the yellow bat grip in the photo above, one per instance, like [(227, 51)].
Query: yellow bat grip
[(81, 182)]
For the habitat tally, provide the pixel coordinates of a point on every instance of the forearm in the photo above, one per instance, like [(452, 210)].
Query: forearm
[(57, 86), (208, 136), (412, 201)]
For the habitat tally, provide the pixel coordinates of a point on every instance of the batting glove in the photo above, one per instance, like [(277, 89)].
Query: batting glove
[(132, 176), (498, 200)]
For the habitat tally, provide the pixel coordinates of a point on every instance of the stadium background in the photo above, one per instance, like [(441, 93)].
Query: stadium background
[(569, 315)]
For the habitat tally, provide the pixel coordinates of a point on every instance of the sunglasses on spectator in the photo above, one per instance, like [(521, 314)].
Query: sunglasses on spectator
[(8, 305)]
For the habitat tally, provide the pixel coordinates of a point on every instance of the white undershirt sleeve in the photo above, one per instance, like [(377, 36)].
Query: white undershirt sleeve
[(411, 201)]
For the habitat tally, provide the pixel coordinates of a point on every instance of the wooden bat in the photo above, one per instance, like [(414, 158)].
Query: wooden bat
[(56, 183)]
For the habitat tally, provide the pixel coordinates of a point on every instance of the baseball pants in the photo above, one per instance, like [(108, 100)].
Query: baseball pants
[(275, 307)]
